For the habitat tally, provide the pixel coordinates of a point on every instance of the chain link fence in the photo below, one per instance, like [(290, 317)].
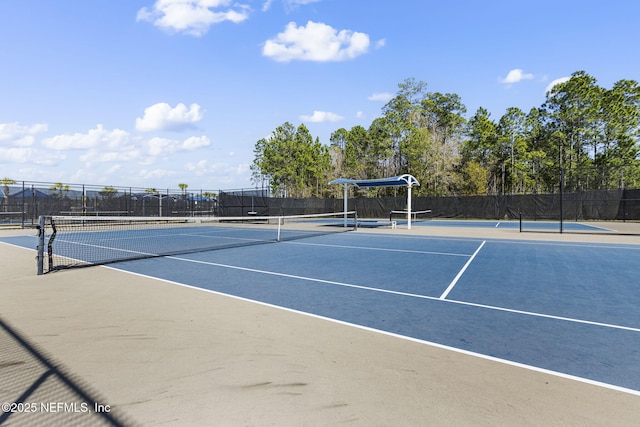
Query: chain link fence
[(23, 201), (605, 198)]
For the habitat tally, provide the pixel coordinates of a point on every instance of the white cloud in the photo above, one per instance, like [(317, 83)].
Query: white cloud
[(291, 5), (300, 2), (25, 141), (360, 115), (204, 167), (225, 173), (382, 96), (101, 155), (98, 137), (315, 42), (197, 166), (76, 141), (161, 146), (192, 17), (109, 156), (29, 155), (322, 117), (115, 146), (195, 142), (162, 117), (155, 174), (266, 5), (18, 135), (17, 146), (381, 43), (555, 82), (113, 169), (99, 145), (516, 75), (16, 154), (158, 147)]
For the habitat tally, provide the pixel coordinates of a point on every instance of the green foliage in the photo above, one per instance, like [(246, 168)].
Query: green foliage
[(474, 179), (6, 182), (294, 163), (108, 192), (579, 127), (588, 130), (209, 195), (60, 188)]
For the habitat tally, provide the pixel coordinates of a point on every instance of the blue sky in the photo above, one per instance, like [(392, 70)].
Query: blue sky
[(148, 93)]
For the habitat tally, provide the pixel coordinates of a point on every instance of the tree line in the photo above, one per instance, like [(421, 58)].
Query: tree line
[(589, 132)]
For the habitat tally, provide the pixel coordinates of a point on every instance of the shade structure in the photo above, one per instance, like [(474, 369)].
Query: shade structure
[(394, 181)]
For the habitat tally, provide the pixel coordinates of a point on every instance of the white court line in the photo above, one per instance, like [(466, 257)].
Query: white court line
[(368, 248), (403, 337), (406, 294), (497, 225), (461, 272), (604, 245), (369, 288), (293, 276)]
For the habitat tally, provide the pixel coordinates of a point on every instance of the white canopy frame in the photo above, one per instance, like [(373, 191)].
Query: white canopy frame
[(401, 180)]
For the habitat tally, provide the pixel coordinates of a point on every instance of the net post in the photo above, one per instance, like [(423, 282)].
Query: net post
[(40, 257), (520, 215), (280, 219), (355, 220)]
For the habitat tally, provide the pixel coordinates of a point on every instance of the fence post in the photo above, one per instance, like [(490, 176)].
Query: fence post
[(561, 199), (24, 217), (40, 257)]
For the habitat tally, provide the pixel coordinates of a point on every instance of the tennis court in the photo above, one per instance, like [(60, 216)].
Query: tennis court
[(564, 308), (546, 306)]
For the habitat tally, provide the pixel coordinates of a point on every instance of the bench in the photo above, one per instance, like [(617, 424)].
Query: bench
[(377, 222), (414, 214)]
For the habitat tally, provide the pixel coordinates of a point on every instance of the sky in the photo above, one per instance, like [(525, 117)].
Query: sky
[(152, 94)]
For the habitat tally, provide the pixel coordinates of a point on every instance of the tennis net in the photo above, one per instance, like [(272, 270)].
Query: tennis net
[(68, 241)]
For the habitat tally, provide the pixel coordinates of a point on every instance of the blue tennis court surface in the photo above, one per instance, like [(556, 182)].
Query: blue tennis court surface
[(508, 224), (571, 309)]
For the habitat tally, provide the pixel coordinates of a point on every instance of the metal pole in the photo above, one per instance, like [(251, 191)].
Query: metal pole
[(409, 207), (561, 199), (520, 216), (24, 218), (345, 204), (279, 227), (40, 258)]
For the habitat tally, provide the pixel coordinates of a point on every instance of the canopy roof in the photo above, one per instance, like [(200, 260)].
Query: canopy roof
[(404, 180)]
